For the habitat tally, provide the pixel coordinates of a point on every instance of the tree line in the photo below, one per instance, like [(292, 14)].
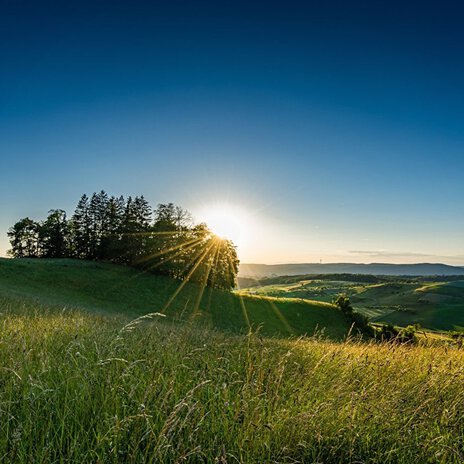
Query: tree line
[(129, 231)]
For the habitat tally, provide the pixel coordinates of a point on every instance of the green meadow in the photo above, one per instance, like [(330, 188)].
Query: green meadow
[(99, 364), (108, 289)]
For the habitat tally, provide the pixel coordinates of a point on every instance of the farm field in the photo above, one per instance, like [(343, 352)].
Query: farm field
[(435, 305)]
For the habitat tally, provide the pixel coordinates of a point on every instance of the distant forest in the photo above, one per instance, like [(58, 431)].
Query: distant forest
[(129, 231)]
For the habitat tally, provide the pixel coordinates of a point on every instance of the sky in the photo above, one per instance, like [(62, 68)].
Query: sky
[(336, 128)]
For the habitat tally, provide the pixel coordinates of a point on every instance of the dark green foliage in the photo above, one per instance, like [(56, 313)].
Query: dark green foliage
[(388, 332), (24, 239), (358, 321), (80, 229), (123, 231), (110, 244), (98, 222), (344, 304), (53, 235), (408, 334), (136, 222)]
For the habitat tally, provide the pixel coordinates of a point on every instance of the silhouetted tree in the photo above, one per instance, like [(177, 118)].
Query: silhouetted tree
[(53, 235), (142, 213), (225, 268), (98, 221), (165, 217), (182, 218), (80, 229), (24, 239), (112, 229)]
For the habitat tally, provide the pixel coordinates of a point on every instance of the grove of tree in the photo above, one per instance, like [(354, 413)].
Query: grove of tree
[(128, 231)]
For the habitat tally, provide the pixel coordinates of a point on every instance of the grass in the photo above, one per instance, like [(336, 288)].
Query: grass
[(82, 381), (76, 387), (110, 289)]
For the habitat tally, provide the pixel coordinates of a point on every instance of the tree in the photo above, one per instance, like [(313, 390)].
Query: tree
[(110, 228), (205, 258), (359, 321), (128, 243), (343, 303), (53, 235), (165, 217), (225, 266), (387, 332), (109, 247), (182, 218), (142, 213), (24, 239), (80, 229), (98, 221)]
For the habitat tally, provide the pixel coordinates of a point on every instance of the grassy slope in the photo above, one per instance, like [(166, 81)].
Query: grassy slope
[(83, 386), (74, 387), (119, 290), (436, 306)]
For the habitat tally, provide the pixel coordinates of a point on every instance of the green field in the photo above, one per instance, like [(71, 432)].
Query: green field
[(118, 290), (82, 381), (400, 301)]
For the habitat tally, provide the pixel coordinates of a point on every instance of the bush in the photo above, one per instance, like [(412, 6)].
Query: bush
[(358, 321), (388, 332)]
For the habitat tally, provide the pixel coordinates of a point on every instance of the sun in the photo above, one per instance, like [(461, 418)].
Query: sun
[(227, 221)]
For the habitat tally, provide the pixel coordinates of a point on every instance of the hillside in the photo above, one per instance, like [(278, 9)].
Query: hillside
[(79, 387), (434, 305), (110, 289), (422, 269), (90, 386), (438, 306)]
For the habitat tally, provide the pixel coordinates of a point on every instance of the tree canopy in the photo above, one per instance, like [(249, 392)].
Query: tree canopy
[(129, 231)]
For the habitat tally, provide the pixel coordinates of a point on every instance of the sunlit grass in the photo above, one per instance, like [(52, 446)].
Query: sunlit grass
[(110, 289), (81, 388)]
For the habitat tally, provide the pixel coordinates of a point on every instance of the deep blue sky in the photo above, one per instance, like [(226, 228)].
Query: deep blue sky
[(339, 125)]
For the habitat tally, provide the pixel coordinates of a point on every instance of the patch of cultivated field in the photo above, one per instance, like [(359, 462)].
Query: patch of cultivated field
[(435, 305)]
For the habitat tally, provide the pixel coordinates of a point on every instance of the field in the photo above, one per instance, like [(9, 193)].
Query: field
[(109, 289), (82, 381), (435, 305)]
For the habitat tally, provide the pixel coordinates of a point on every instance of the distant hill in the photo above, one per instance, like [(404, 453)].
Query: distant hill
[(421, 269), (121, 291)]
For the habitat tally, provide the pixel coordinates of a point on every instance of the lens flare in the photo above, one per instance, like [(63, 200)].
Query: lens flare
[(227, 221)]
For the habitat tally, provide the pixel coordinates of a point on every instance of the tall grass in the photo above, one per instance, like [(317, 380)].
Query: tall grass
[(81, 388)]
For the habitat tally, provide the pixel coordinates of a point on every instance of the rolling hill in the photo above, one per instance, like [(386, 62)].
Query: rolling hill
[(435, 305), (117, 290)]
